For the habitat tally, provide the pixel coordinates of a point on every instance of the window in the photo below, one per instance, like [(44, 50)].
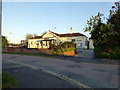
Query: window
[(73, 40), (80, 44), (79, 40)]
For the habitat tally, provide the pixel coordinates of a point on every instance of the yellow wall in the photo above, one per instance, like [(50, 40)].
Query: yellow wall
[(32, 43), (49, 34), (91, 44), (78, 40)]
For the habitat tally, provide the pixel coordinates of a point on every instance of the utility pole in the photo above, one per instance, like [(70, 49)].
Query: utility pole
[(0, 45)]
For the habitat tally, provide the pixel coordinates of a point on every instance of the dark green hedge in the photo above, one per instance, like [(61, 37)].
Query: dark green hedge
[(111, 53), (61, 48)]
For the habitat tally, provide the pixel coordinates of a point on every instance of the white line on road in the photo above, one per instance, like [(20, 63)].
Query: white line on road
[(12, 66), (68, 79)]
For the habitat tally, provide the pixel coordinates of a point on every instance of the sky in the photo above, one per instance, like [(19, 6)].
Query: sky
[(20, 18)]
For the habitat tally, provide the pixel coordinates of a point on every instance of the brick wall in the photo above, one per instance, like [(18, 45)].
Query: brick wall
[(20, 50)]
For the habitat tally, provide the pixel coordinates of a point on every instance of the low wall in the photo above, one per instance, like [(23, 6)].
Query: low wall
[(34, 50), (68, 53), (20, 50)]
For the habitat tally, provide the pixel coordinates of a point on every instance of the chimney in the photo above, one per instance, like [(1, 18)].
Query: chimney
[(71, 30)]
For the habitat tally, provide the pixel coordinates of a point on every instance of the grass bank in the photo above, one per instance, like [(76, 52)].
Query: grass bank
[(8, 81)]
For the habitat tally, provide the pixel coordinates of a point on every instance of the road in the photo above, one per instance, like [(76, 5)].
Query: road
[(81, 74), (31, 78)]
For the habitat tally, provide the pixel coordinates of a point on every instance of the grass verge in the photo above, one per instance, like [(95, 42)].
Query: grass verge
[(30, 54), (37, 54), (8, 81)]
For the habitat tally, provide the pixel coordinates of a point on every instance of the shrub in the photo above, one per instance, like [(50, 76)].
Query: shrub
[(61, 48), (112, 53), (52, 46)]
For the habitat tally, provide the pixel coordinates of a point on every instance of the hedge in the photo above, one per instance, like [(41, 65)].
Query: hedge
[(61, 48), (111, 53)]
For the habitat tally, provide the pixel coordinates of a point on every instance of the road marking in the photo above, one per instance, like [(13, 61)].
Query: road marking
[(68, 79), (12, 66)]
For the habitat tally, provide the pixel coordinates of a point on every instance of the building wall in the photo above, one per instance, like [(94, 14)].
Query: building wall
[(91, 46), (79, 40), (49, 34), (32, 43)]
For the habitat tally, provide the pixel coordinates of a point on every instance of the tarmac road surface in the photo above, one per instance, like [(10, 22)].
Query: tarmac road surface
[(31, 78), (82, 74)]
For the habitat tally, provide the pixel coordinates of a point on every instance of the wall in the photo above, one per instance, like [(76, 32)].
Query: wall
[(19, 50), (49, 34), (78, 40), (33, 50), (34, 43), (91, 46)]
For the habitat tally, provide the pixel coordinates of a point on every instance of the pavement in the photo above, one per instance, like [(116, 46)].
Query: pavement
[(82, 72)]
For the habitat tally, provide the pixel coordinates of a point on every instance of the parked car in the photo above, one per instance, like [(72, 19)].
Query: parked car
[(23, 46)]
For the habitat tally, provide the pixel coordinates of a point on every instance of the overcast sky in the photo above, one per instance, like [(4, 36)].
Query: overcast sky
[(20, 18)]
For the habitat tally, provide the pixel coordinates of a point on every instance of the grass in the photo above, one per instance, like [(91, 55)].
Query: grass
[(36, 54), (8, 81), (30, 54)]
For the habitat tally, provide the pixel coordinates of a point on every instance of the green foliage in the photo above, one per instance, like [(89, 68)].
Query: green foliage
[(115, 21), (101, 35), (4, 41), (93, 22), (30, 36), (61, 48), (106, 36), (52, 46), (8, 81), (112, 53)]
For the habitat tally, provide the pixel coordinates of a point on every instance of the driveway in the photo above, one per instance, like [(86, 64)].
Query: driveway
[(83, 74)]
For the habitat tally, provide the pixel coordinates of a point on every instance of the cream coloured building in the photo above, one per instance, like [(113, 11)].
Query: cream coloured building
[(91, 46), (52, 37)]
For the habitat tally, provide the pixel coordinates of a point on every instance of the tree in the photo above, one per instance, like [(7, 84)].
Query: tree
[(101, 35), (4, 41), (30, 36), (115, 21), (34, 35), (93, 22), (100, 32), (106, 36)]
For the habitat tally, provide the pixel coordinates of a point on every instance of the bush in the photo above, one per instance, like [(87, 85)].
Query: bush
[(61, 48), (112, 53)]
